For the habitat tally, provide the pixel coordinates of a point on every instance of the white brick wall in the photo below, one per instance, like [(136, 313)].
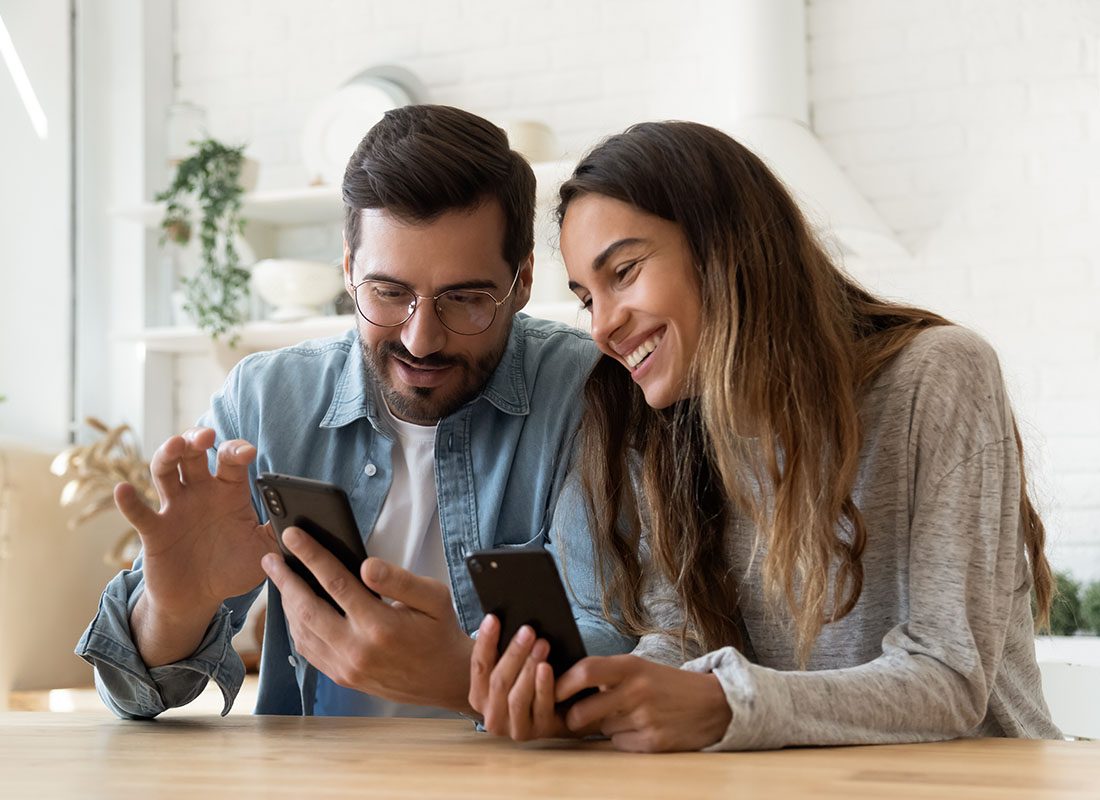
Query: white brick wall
[(973, 126)]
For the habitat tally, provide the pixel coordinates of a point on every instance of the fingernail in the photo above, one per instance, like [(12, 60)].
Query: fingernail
[(487, 623), (291, 537), (267, 562), (525, 634), (242, 449)]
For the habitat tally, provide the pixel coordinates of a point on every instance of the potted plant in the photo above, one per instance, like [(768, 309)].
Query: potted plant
[(211, 179), (93, 470)]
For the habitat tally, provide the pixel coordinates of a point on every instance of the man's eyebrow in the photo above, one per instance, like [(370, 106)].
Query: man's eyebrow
[(600, 261), (475, 283)]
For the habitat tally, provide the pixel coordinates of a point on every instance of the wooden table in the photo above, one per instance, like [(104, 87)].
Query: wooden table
[(45, 755)]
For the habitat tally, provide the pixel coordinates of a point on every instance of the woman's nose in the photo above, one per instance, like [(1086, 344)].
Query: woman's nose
[(607, 317)]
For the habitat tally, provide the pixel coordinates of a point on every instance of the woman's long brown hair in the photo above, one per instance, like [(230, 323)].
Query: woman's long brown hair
[(788, 344)]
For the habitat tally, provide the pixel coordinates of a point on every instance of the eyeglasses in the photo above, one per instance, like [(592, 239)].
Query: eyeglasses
[(463, 311)]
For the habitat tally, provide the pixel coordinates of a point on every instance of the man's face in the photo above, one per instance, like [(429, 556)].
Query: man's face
[(426, 371)]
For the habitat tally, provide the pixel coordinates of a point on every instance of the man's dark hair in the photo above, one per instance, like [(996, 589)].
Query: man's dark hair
[(421, 161)]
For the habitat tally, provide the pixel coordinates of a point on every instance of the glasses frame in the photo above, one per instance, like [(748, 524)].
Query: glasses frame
[(415, 304)]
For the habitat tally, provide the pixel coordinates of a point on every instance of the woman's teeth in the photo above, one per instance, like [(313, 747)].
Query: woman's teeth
[(639, 355)]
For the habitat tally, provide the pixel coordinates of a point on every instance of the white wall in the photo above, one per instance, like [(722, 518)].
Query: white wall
[(124, 86), (972, 125), (586, 69), (35, 219)]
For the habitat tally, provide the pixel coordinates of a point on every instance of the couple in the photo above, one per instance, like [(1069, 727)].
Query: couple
[(799, 508)]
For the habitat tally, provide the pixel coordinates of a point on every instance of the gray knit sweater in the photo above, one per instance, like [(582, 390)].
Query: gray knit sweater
[(940, 644)]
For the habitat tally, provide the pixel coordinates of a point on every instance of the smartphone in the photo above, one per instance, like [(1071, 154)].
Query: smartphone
[(320, 509), (522, 587)]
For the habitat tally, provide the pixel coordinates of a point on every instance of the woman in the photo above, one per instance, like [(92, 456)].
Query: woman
[(816, 495)]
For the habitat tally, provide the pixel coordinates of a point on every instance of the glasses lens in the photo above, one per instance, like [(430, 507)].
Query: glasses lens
[(384, 303), (467, 312)]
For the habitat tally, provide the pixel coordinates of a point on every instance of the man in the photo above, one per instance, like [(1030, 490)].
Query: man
[(447, 419)]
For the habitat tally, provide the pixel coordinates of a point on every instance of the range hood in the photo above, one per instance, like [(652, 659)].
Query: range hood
[(769, 113)]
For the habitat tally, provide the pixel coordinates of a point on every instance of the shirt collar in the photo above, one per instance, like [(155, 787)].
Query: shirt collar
[(506, 389)]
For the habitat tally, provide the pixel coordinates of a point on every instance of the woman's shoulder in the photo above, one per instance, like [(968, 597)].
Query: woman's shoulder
[(945, 359), (943, 394), (946, 350)]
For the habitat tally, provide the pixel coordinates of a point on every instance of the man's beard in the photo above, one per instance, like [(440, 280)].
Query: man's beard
[(424, 405)]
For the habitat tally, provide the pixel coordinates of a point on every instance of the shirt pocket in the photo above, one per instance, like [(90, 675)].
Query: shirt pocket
[(536, 541)]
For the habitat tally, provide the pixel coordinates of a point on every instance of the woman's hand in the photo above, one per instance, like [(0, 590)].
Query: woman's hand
[(646, 707), (515, 695)]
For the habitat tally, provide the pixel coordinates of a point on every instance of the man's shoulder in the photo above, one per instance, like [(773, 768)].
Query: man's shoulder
[(311, 368), (313, 355), (547, 342)]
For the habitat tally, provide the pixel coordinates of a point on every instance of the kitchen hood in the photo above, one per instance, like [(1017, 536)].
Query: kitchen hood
[(769, 113)]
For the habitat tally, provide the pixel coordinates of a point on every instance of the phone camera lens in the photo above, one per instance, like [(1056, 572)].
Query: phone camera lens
[(274, 502), (475, 566)]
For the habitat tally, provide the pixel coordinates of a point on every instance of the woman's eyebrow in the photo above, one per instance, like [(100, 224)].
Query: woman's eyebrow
[(608, 252)]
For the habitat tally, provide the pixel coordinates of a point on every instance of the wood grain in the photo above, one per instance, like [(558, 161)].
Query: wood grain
[(46, 755)]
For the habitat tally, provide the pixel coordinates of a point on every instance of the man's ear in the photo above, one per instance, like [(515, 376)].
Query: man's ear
[(347, 268), (523, 285)]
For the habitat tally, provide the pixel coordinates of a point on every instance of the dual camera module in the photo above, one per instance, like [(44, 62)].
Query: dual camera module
[(273, 502)]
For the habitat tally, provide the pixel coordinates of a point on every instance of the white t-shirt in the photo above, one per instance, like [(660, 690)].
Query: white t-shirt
[(407, 534)]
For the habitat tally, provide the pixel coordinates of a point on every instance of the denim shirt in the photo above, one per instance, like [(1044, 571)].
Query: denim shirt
[(502, 478)]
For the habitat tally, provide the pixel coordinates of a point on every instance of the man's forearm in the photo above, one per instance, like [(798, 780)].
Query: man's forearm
[(164, 636)]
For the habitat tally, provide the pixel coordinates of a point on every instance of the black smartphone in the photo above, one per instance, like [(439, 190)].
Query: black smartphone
[(320, 509), (522, 587)]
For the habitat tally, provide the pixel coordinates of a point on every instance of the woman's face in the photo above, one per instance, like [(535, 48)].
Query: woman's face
[(633, 272)]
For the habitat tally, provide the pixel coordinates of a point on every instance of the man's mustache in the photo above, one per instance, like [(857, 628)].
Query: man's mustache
[(435, 360)]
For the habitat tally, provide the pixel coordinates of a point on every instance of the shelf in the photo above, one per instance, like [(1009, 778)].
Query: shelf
[(314, 205), (267, 335), (1077, 650)]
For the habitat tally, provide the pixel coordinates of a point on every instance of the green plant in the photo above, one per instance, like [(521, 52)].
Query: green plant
[(211, 178), (1090, 608), (1065, 609)]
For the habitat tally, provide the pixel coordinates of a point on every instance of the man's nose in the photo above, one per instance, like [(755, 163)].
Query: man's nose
[(423, 334)]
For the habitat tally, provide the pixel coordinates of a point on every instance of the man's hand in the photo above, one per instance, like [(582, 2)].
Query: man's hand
[(646, 707), (515, 695), (409, 651), (202, 546)]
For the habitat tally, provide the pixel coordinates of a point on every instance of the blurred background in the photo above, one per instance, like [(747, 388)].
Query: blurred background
[(949, 150)]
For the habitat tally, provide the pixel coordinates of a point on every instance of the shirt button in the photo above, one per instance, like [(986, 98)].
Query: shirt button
[(370, 470), (292, 661)]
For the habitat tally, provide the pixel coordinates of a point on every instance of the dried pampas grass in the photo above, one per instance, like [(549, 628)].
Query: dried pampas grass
[(94, 471)]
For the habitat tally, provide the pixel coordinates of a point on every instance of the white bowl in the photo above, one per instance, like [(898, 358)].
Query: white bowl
[(296, 289)]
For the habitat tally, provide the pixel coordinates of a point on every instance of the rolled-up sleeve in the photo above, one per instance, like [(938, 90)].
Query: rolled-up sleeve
[(132, 690)]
